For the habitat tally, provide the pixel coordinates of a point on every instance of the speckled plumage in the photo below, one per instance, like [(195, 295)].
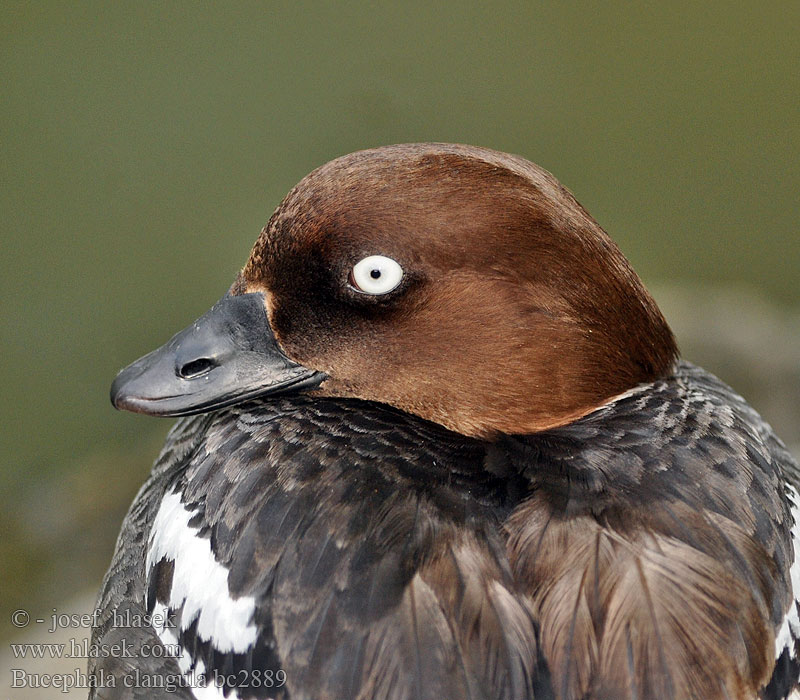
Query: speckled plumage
[(391, 558)]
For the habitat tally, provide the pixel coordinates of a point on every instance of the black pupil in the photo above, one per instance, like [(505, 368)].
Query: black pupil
[(375, 274)]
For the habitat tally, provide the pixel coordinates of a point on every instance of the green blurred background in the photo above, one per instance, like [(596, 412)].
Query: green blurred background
[(144, 145)]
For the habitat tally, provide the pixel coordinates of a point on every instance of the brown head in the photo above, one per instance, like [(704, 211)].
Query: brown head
[(498, 304), (515, 311)]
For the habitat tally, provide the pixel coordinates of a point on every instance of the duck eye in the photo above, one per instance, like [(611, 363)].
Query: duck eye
[(376, 274)]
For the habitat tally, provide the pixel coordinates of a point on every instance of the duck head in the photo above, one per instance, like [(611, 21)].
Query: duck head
[(460, 284)]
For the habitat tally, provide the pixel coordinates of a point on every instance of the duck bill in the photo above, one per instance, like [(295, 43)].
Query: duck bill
[(227, 356)]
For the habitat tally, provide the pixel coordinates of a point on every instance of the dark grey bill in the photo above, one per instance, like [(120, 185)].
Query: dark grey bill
[(227, 356)]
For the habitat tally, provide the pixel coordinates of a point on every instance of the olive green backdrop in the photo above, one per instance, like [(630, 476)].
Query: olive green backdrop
[(144, 145)]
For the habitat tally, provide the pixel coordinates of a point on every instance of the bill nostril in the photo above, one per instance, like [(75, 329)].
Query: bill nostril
[(196, 368)]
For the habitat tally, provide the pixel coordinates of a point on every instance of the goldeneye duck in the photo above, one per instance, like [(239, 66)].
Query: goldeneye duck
[(437, 443)]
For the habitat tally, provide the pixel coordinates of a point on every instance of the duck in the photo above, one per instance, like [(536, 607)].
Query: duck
[(436, 442)]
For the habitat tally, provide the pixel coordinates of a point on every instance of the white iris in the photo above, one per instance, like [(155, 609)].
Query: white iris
[(376, 274)]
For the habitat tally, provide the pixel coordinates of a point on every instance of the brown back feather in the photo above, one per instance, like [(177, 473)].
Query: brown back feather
[(635, 613)]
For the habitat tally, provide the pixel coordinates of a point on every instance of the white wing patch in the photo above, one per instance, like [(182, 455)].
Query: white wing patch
[(202, 688), (790, 629), (200, 585), (199, 581)]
